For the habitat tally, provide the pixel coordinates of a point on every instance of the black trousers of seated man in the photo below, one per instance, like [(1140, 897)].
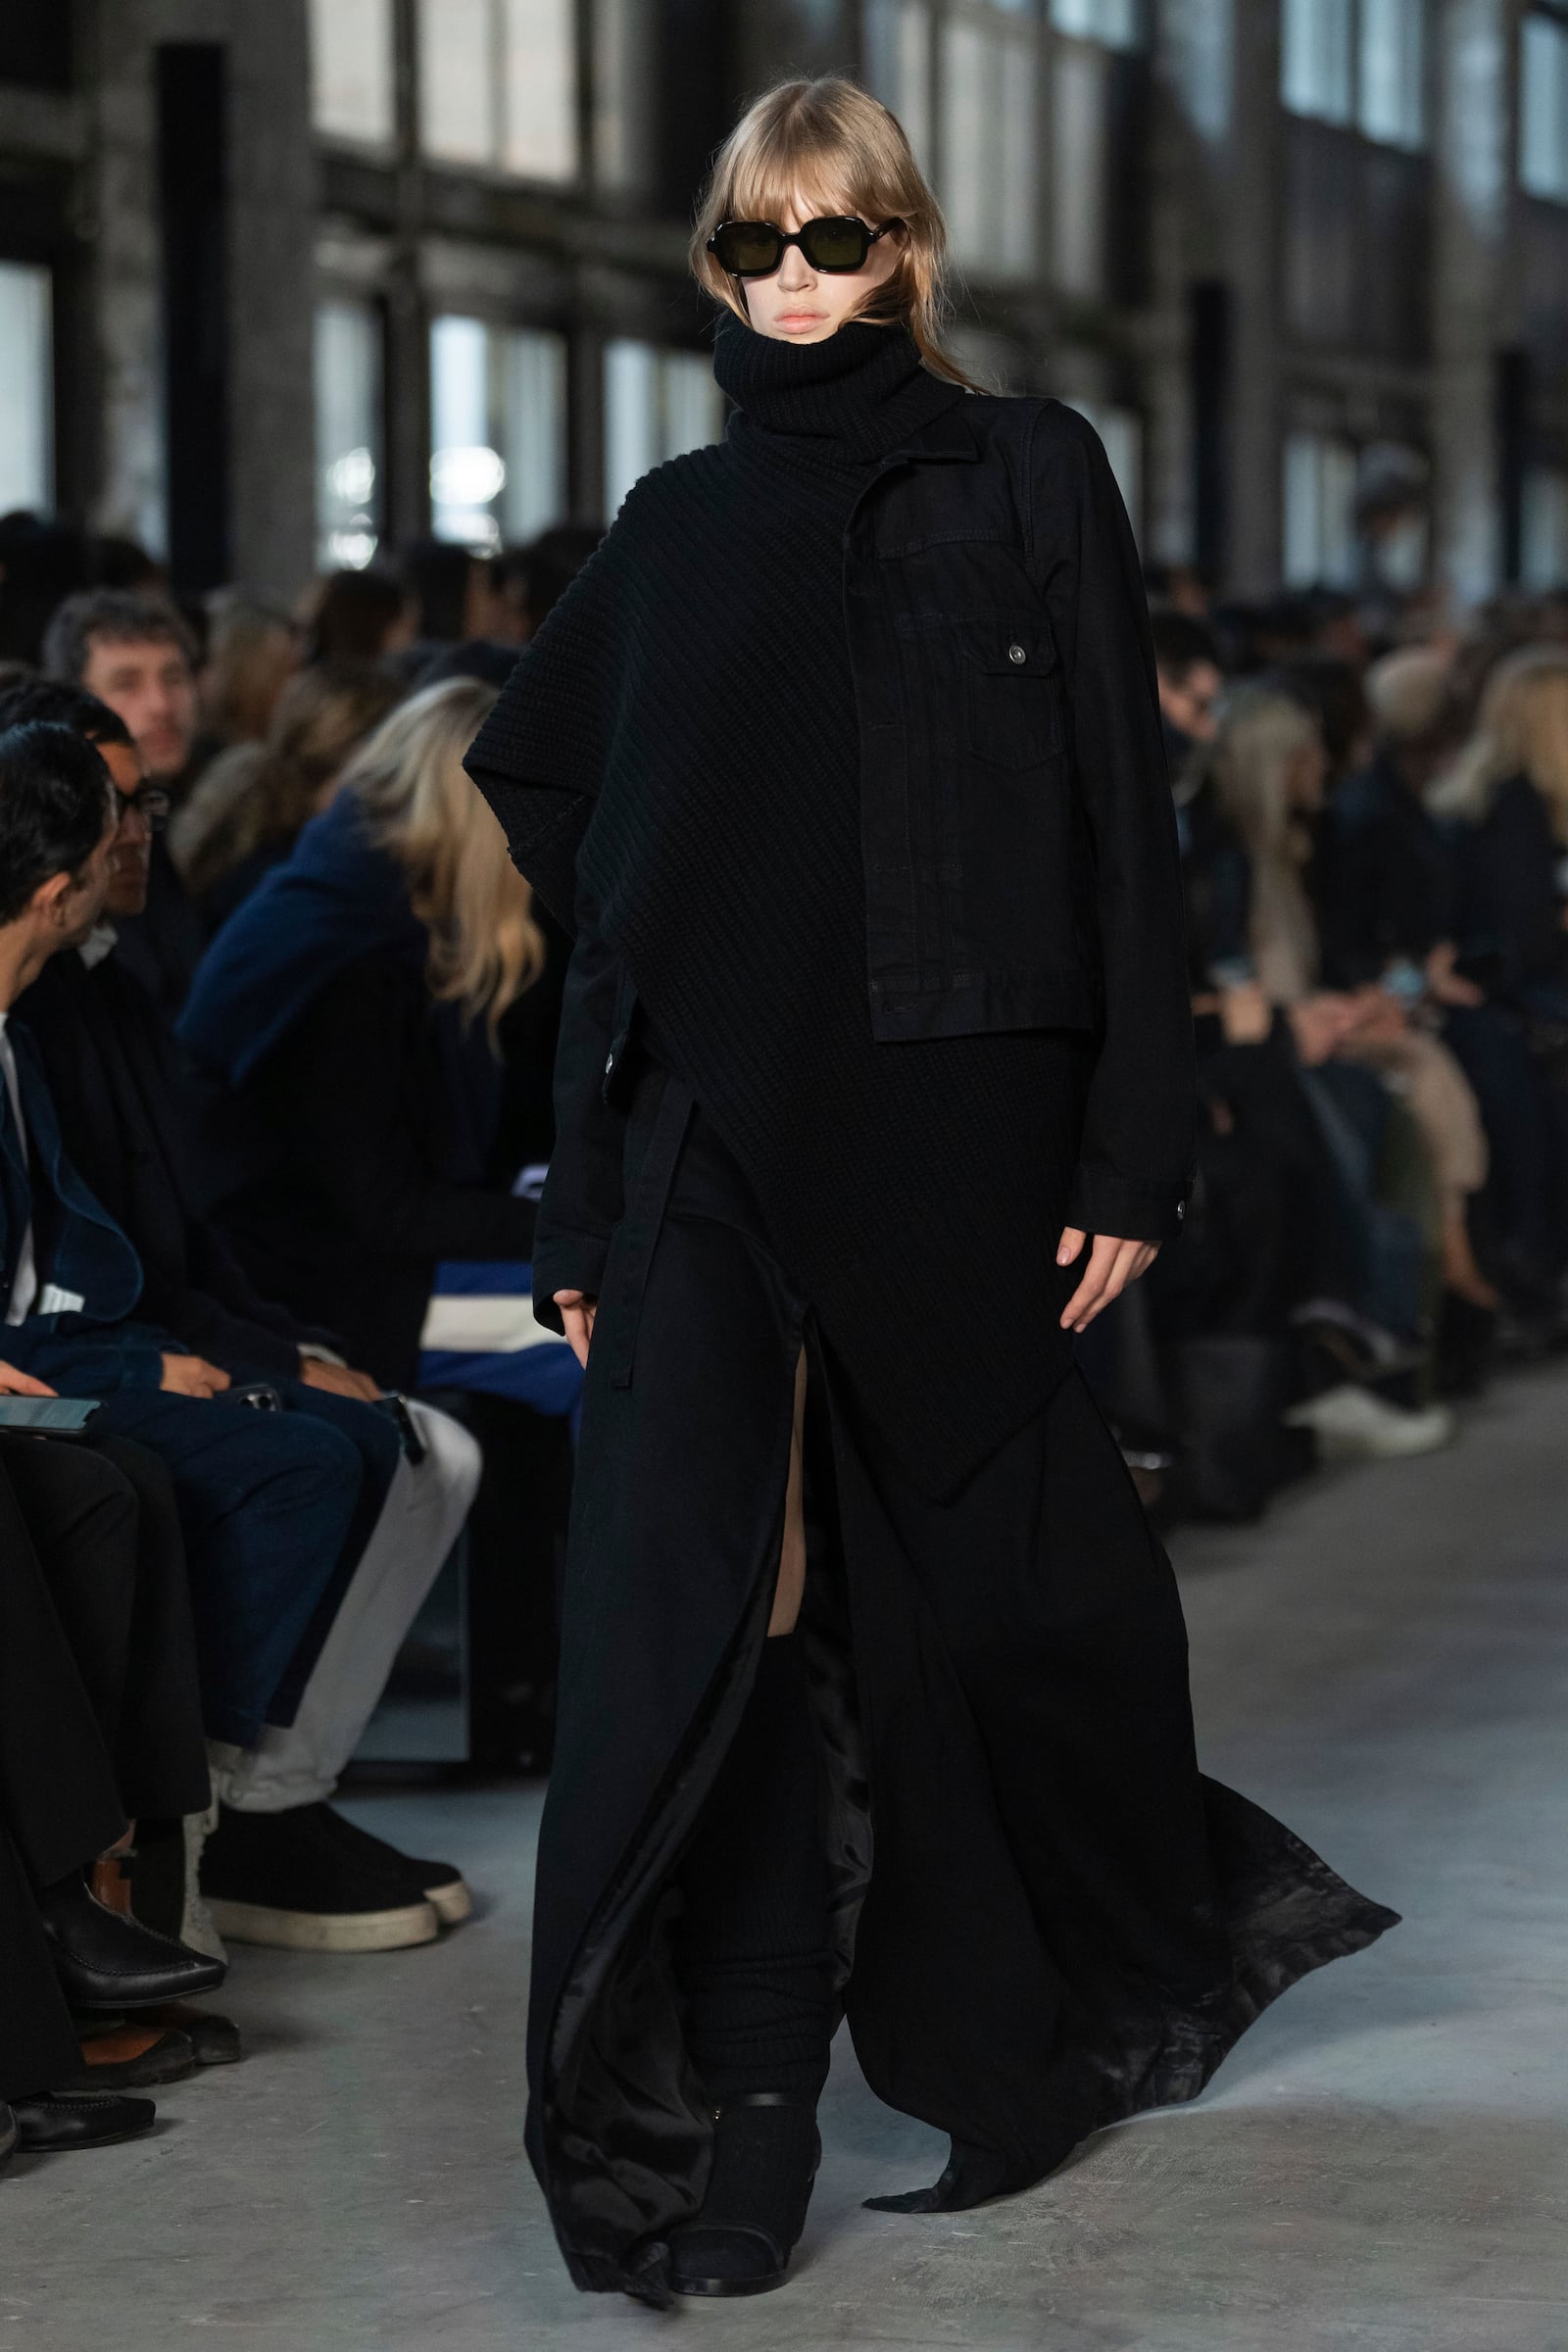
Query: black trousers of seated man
[(60, 1807), (104, 1530)]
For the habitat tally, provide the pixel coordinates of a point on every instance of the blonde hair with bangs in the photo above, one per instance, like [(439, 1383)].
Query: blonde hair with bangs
[(485, 947), (829, 142)]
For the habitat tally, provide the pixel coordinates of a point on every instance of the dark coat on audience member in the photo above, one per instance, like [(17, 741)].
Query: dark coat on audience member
[(1507, 901), (105, 1050), (1385, 883), (369, 1107)]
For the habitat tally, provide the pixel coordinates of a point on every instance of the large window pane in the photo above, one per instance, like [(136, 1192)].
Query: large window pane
[(898, 67), (1113, 21), (1319, 496), (456, 81), (540, 50), (1315, 58), (1543, 553), (1543, 107), (1078, 170), (351, 68), (27, 388), (1390, 98), (468, 473), (624, 85), (498, 431), (533, 438), (348, 434), (987, 96), (658, 404)]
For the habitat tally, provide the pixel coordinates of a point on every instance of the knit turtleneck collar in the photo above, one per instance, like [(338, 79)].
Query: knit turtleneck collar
[(854, 396)]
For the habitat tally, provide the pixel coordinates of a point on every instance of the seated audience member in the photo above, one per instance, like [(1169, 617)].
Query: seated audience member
[(251, 652), (359, 617), (1389, 900), (255, 799), (136, 653), (1507, 797), (71, 1539), (1187, 671), (277, 1507), (105, 1055), (1267, 765), (342, 1002)]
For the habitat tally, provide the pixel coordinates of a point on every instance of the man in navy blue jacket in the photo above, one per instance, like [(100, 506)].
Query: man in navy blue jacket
[(267, 1500)]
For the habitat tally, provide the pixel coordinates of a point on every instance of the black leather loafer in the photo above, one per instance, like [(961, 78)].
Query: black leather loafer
[(105, 1961), (57, 2123)]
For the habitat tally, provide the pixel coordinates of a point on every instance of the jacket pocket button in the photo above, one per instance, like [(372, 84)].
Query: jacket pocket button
[(1015, 653)]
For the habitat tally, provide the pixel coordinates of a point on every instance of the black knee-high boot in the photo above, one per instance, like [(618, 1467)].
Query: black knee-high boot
[(753, 1964)]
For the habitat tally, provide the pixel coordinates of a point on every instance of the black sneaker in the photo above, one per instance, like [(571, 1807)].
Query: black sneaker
[(442, 1886), (285, 1880)]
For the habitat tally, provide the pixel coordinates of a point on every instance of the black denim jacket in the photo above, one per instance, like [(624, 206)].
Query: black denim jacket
[(1018, 835)]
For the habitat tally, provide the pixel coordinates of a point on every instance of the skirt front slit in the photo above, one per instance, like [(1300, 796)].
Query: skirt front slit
[(1043, 1917)]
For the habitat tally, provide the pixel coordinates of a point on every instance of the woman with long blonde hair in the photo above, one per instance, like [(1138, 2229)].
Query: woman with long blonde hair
[(351, 1004), (842, 760), (1507, 796)]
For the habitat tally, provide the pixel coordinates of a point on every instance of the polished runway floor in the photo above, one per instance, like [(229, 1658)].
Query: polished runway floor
[(1382, 2164)]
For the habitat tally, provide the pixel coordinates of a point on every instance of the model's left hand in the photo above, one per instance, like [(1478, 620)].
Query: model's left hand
[(1112, 1265)]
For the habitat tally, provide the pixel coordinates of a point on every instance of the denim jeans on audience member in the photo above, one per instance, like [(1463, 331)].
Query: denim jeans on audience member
[(267, 1503)]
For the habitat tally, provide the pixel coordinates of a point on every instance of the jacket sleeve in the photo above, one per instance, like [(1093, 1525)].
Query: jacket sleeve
[(87, 1360), (582, 1196), (1135, 1160)]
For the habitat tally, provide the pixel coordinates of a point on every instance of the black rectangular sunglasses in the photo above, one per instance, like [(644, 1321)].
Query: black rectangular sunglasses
[(756, 248)]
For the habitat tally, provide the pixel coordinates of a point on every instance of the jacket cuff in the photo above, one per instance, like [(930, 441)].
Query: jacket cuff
[(1101, 1202), (566, 1261)]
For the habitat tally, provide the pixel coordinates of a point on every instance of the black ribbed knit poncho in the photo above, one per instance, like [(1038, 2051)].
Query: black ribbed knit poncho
[(681, 737)]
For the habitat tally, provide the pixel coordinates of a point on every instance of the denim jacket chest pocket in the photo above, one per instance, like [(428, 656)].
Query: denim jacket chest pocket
[(1012, 689)]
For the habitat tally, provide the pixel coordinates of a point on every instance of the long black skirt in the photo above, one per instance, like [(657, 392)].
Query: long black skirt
[(1043, 1917)]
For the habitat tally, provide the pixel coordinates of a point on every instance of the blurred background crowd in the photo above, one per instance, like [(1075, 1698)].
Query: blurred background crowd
[(331, 335)]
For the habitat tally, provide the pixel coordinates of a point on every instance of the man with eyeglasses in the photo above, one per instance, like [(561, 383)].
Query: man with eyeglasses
[(135, 654)]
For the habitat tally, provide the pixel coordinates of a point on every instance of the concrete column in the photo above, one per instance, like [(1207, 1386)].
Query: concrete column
[(1472, 176), (271, 196), (1253, 243)]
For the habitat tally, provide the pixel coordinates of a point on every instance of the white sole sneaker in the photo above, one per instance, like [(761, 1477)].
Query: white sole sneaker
[(325, 1931), (452, 1903)]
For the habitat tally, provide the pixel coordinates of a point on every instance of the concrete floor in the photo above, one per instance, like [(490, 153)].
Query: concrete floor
[(1382, 2164)]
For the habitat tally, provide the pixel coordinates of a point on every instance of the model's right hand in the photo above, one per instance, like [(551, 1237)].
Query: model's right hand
[(21, 1383), (192, 1376), (577, 1311)]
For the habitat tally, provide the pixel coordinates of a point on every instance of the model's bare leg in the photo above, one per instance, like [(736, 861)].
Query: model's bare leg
[(791, 1587)]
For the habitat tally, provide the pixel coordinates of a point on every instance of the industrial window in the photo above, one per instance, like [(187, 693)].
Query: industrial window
[(351, 70), (658, 404), (497, 432), (498, 84), (1543, 107), (1116, 23), (27, 388), (1361, 61), (348, 434), (1543, 548), (898, 67), (1319, 500), (987, 97), (622, 87)]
